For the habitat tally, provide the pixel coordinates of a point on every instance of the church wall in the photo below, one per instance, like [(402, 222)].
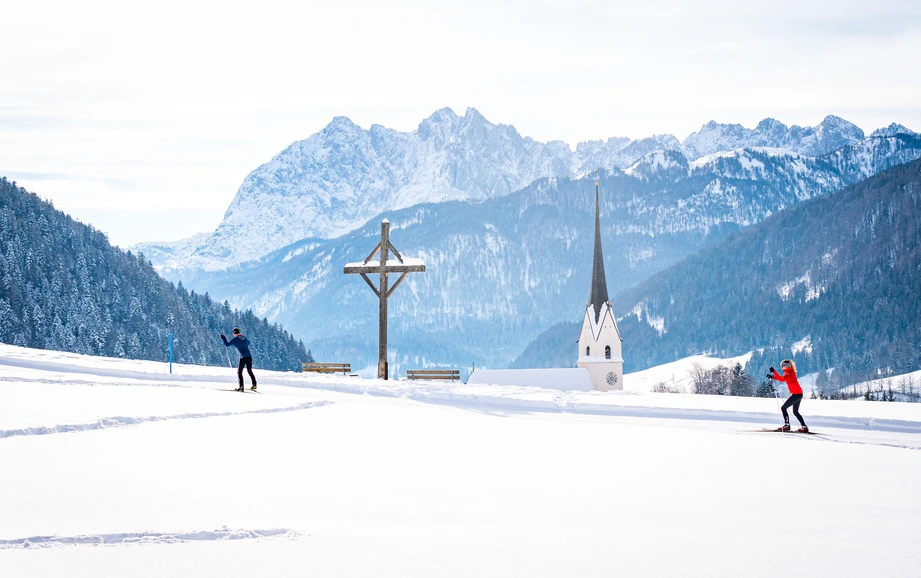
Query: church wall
[(598, 372), (596, 363)]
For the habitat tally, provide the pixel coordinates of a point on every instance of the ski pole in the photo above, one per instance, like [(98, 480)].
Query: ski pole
[(776, 399)]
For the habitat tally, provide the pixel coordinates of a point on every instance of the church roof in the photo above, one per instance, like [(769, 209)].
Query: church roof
[(599, 295)]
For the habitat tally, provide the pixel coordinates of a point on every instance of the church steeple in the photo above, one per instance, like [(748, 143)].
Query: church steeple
[(599, 295), (600, 343)]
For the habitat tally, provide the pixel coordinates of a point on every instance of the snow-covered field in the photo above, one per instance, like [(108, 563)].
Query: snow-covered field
[(116, 468)]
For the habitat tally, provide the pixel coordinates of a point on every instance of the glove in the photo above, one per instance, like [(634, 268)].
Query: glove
[(772, 370), (222, 336), (769, 375)]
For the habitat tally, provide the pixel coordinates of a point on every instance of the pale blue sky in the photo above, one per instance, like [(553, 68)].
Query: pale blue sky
[(144, 118)]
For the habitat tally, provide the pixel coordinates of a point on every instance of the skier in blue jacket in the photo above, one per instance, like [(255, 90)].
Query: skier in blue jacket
[(246, 358)]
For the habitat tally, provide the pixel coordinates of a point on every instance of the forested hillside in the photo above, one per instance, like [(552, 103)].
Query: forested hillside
[(835, 279), (843, 272), (64, 287)]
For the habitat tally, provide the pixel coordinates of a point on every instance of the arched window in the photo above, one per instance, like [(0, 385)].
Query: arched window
[(607, 352), (588, 351)]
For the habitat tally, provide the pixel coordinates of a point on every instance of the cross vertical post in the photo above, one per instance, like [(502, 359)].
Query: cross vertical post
[(383, 291), (382, 369)]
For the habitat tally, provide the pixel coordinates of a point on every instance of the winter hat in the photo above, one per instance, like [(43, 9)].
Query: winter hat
[(236, 330)]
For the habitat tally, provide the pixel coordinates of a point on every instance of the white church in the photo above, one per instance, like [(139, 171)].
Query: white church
[(600, 355)]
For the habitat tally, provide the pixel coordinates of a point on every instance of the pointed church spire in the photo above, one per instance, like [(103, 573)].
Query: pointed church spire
[(599, 294)]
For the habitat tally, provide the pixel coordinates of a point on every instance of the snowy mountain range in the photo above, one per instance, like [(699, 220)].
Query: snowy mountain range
[(503, 270), (334, 181), (337, 179)]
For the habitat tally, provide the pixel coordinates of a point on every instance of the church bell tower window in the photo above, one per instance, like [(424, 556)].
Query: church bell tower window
[(607, 352)]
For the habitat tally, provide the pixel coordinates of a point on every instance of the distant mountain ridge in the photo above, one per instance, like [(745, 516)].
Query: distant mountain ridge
[(828, 136), (334, 181)]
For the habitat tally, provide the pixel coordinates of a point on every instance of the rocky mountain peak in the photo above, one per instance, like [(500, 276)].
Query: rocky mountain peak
[(714, 137), (340, 124), (892, 130), (838, 127), (769, 125), (440, 125), (472, 115), (770, 132)]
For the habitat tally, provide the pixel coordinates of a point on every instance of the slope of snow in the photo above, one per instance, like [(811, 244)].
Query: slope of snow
[(563, 379), (370, 478)]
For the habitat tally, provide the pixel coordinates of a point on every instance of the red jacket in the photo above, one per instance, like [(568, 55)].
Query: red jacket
[(789, 376)]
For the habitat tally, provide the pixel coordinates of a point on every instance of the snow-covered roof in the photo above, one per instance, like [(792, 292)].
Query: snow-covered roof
[(598, 322)]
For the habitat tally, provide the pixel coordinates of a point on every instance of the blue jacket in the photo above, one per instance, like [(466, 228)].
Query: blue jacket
[(240, 342)]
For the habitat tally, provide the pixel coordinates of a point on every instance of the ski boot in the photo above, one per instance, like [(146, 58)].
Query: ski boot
[(253, 387), (804, 429), (784, 427), (239, 388)]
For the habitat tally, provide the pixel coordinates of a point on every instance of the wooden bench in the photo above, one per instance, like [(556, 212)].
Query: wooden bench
[(326, 367), (452, 374)]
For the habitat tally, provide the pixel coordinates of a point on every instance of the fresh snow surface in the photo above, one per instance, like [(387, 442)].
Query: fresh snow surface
[(563, 379), (118, 468), (743, 156)]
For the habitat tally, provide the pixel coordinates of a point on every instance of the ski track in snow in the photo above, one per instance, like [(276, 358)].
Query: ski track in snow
[(121, 421), (145, 538), (847, 430), (74, 366), (89, 383), (567, 403)]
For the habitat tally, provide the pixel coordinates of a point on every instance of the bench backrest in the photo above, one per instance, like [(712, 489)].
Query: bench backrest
[(326, 367), (451, 374)]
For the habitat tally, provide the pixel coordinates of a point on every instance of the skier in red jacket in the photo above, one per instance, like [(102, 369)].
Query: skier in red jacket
[(796, 394)]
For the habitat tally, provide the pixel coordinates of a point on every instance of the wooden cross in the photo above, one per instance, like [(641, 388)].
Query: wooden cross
[(384, 266)]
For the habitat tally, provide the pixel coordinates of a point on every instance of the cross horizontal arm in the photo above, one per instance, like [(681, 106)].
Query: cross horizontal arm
[(409, 265), (372, 269)]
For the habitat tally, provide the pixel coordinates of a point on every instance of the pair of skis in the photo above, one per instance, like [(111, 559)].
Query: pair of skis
[(792, 431), (244, 391)]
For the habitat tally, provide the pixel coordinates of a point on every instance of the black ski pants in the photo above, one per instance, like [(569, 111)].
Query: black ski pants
[(247, 362), (792, 401)]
